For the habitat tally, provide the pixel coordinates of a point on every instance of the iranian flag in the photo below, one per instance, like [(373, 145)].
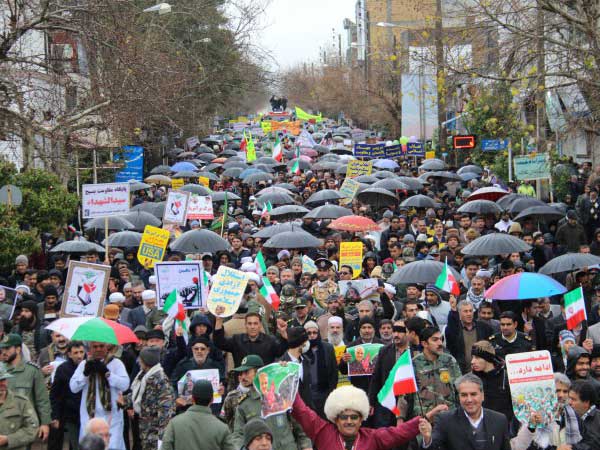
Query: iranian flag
[(277, 151), (574, 308), (261, 266), (296, 167), (269, 293), (446, 281), (400, 381), (267, 208), (174, 307)]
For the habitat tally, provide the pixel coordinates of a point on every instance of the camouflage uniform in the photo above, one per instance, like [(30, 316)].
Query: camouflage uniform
[(230, 404), (435, 382), (321, 293), (28, 380), (29, 340), (18, 421)]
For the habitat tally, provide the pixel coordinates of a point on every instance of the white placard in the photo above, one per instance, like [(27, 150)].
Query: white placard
[(200, 207), (176, 207), (102, 200), (186, 277)]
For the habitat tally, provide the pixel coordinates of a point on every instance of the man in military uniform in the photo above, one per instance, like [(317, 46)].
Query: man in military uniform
[(288, 299), (27, 380), (324, 286), (509, 340), (246, 373), (287, 433), (301, 314), (18, 421), (435, 372)]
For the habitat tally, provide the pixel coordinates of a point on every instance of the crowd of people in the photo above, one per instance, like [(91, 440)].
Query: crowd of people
[(58, 392)]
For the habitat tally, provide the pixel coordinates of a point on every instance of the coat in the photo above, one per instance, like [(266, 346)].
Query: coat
[(18, 421), (64, 403), (305, 383), (269, 348), (452, 431), (455, 340), (197, 429), (28, 380), (325, 434)]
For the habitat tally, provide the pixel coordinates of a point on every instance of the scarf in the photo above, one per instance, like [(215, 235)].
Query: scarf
[(543, 436), (138, 387), (475, 299), (96, 379), (321, 368)]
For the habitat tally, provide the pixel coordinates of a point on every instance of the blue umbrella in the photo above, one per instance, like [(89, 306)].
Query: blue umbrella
[(468, 176), (388, 164), (183, 165)]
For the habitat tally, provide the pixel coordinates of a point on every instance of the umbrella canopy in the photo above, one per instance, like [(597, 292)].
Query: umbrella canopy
[(542, 213), (419, 201), (233, 172), (114, 223), (211, 176), (326, 195), (183, 165), (293, 239), (160, 170), (207, 157), (184, 155), (381, 174), (186, 174), (328, 212), (468, 176), (426, 271), (156, 209), (93, 329), (326, 165), (569, 262), (287, 186), (232, 163), (274, 189), (480, 207), (443, 176), (140, 219), (79, 246), (495, 244), (212, 167), (523, 286), (256, 178), (219, 196), (304, 164), (249, 171), (488, 193), (377, 197), (433, 164), (124, 239), (414, 184), (288, 212), (135, 185), (275, 198), (367, 179), (391, 184), (354, 224), (508, 200), (267, 160), (389, 164), (159, 179), (197, 189), (200, 241), (521, 204), (273, 230), (471, 168)]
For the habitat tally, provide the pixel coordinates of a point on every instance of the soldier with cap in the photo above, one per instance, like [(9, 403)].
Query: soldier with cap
[(27, 380), (246, 373), (302, 313), (324, 287), (18, 421), (509, 340)]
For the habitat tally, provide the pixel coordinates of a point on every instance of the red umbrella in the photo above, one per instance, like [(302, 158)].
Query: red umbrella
[(487, 193), (354, 223)]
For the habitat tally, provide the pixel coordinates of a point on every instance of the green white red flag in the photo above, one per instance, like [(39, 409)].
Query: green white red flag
[(277, 151), (575, 308), (261, 266), (268, 292), (446, 281), (400, 381), (296, 167), (174, 308)]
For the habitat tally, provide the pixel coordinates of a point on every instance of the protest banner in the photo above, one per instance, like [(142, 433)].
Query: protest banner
[(430, 155), (8, 299), (532, 389), (177, 183), (393, 151), (277, 386), (308, 265), (176, 207), (85, 290), (351, 254), (348, 190), (357, 167), (185, 384), (152, 246), (369, 150), (415, 149), (103, 200), (185, 277), (533, 167), (133, 158), (227, 290), (357, 290), (363, 359), (200, 207), (204, 181)]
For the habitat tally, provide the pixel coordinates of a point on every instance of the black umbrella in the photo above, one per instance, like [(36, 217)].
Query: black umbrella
[(114, 223), (212, 166), (381, 174), (293, 239), (209, 175), (419, 201), (161, 170), (207, 157), (443, 176), (507, 200), (321, 149), (495, 244), (391, 184), (233, 172), (156, 209), (140, 219), (331, 157), (326, 165), (367, 179), (540, 213), (275, 198), (377, 197), (522, 204), (135, 185), (342, 170), (289, 186), (267, 160), (258, 177), (302, 163), (274, 189), (185, 174), (124, 239), (320, 197), (569, 262), (414, 184), (433, 164), (219, 196), (230, 163), (197, 189), (470, 169), (200, 241), (271, 231), (480, 207), (288, 212), (423, 272), (78, 246), (328, 212)]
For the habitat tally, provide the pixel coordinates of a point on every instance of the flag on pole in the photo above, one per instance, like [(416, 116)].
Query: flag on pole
[(267, 208), (173, 307), (250, 149), (400, 381), (575, 308), (268, 292), (244, 143), (446, 281), (261, 266), (297, 152), (296, 167), (277, 151)]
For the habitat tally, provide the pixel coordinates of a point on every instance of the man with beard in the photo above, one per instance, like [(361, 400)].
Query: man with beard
[(324, 287), (583, 398), (386, 333), (30, 329), (475, 292), (322, 365), (246, 373), (578, 366), (27, 380), (334, 308), (56, 351)]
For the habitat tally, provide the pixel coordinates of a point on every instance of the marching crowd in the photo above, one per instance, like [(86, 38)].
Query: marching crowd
[(127, 397)]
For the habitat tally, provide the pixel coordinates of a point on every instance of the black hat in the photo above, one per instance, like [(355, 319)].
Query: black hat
[(56, 273), (323, 263), (199, 340), (296, 337), (31, 305), (366, 320), (571, 215), (50, 290), (150, 356), (202, 392), (254, 428), (155, 334)]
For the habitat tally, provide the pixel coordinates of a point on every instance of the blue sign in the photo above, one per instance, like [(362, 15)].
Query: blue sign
[(393, 151), (415, 149), (377, 151), (493, 145), (133, 157)]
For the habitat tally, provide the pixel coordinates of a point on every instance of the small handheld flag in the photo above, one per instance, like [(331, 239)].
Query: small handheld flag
[(446, 281), (400, 381), (575, 308)]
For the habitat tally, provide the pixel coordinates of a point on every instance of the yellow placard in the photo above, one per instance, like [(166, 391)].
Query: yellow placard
[(153, 245), (348, 190), (351, 254), (204, 181), (177, 183), (357, 167), (430, 155)]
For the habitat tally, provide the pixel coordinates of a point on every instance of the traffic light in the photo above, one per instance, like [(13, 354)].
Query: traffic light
[(466, 141)]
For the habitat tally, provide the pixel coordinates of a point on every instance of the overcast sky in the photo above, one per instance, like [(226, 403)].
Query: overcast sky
[(294, 30)]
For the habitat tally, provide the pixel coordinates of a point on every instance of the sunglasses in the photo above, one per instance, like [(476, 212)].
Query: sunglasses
[(399, 329), (349, 416), (344, 273)]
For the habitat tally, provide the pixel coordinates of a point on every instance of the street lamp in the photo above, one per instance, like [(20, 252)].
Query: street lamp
[(161, 8)]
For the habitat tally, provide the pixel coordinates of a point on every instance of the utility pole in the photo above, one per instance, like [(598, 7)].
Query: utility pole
[(440, 73), (540, 98)]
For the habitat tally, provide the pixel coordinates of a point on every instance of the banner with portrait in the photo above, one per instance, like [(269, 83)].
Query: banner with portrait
[(363, 359), (85, 290), (277, 385)]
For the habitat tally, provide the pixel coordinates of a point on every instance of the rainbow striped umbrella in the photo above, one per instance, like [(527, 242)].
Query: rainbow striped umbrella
[(523, 286), (93, 329)]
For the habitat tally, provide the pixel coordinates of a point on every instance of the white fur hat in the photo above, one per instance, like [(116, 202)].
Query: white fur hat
[(346, 397), (148, 294)]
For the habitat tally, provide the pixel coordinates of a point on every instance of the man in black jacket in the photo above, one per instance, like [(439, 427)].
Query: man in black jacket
[(583, 399), (64, 404)]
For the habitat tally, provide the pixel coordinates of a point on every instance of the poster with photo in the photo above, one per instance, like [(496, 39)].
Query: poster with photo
[(186, 383), (8, 299), (85, 290), (277, 386), (357, 290), (186, 277), (363, 359), (176, 207)]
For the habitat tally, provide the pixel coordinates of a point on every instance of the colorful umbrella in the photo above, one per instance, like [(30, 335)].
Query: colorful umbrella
[(523, 286), (354, 224), (93, 329), (487, 193)]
